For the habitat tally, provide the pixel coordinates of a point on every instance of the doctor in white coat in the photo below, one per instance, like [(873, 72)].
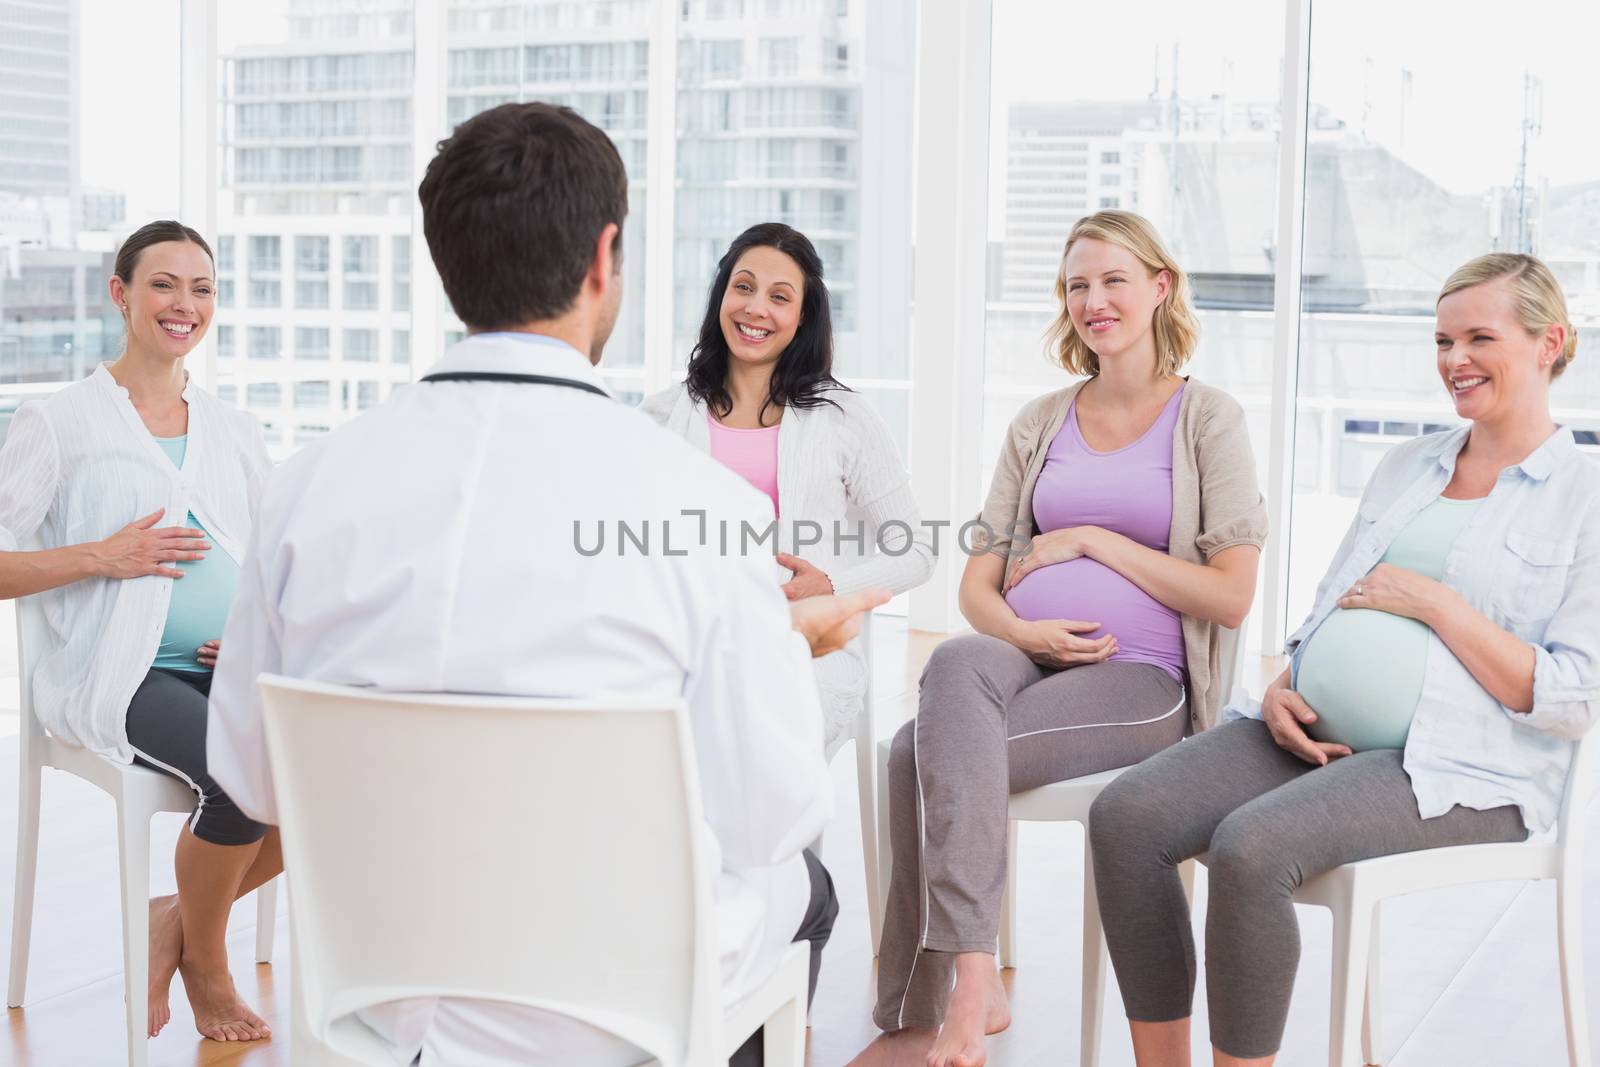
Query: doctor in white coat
[(441, 543)]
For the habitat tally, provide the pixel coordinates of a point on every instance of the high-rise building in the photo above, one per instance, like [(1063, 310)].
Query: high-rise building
[(53, 325), (315, 217), (39, 97)]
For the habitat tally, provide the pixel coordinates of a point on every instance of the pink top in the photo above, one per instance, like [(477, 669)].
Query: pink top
[(1128, 491), (751, 454)]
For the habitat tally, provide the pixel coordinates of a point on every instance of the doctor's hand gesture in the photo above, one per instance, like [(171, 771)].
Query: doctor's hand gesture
[(829, 622)]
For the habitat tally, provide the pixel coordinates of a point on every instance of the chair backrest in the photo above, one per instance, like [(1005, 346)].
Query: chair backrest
[(546, 853)]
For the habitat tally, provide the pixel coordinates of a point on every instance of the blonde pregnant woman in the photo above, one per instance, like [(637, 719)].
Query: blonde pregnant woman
[(1127, 530), (1436, 690)]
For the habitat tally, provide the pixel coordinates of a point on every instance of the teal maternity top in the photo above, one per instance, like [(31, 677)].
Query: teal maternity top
[(1361, 670), (201, 598)]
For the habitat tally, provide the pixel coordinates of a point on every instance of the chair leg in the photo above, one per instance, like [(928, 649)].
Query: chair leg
[(27, 872), (783, 1036), (885, 851), (866, 795), (1373, 1001), (1569, 938), (1008, 902), (134, 850), (1352, 926), (1094, 959), (266, 919)]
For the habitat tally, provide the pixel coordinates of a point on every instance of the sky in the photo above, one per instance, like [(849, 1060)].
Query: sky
[(1465, 59)]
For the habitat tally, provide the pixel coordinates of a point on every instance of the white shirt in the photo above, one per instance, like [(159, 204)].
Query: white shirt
[(842, 489), (429, 545), (1529, 560), (78, 466)]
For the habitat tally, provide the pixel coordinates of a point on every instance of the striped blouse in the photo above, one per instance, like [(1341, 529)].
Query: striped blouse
[(78, 466)]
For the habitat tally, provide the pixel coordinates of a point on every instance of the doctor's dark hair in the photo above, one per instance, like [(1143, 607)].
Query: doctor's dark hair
[(512, 205), (805, 368)]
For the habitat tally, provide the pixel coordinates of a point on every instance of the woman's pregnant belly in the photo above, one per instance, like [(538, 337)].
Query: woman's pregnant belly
[(198, 607), (1147, 631), (1361, 672)]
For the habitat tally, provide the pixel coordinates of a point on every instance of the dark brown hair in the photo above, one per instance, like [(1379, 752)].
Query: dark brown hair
[(154, 233), (805, 368), (512, 205)]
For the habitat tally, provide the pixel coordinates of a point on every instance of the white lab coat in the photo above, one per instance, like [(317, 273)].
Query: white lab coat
[(429, 546)]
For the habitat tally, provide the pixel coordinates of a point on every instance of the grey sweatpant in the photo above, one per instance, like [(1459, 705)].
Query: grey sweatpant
[(990, 722), (1269, 821)]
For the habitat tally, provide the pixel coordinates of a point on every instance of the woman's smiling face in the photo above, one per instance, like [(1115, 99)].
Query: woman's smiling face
[(761, 306)]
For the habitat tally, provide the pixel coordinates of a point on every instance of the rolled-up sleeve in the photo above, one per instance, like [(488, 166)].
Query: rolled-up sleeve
[(1566, 665), (30, 466), (1232, 511)]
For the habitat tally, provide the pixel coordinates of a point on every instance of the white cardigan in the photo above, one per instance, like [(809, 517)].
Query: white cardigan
[(78, 466), (836, 465)]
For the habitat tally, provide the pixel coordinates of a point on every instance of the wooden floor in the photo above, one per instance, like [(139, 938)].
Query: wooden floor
[(1470, 974)]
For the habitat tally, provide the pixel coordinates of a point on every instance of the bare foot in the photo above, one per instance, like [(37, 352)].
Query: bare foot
[(166, 948), (219, 1012), (978, 1007), (899, 1048)]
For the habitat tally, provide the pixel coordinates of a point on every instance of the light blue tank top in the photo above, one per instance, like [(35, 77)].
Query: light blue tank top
[(1361, 670), (201, 598)]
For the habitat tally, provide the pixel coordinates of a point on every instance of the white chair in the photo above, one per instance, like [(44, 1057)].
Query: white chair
[(139, 793), (546, 853), (1065, 801), (862, 734), (1354, 892)]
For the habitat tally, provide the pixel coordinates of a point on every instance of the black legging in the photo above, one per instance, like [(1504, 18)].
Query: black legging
[(167, 729)]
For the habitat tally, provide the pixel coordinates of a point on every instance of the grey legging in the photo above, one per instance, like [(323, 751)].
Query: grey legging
[(1269, 821), (991, 722)]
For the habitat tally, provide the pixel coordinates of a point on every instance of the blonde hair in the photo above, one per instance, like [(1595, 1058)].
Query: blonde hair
[(1176, 328), (1539, 300)]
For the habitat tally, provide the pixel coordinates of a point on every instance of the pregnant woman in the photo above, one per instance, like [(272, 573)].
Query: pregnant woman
[(760, 397), (135, 609), (1450, 661), (1126, 530)]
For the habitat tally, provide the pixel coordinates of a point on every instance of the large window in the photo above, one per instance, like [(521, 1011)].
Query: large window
[(595, 58), (1425, 151), (789, 114), (315, 173), (75, 177), (1185, 136)]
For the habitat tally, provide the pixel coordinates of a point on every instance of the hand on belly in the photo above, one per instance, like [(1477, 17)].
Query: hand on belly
[(1084, 588)]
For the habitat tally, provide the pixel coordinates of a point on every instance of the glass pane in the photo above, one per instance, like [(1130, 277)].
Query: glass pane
[(1184, 134), (776, 101), (1425, 151), (69, 190), (315, 112), (593, 57)]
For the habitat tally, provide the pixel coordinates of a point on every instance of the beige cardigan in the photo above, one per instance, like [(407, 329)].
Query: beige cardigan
[(1216, 504)]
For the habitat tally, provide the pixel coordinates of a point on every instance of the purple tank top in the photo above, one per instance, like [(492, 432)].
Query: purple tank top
[(1128, 491)]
